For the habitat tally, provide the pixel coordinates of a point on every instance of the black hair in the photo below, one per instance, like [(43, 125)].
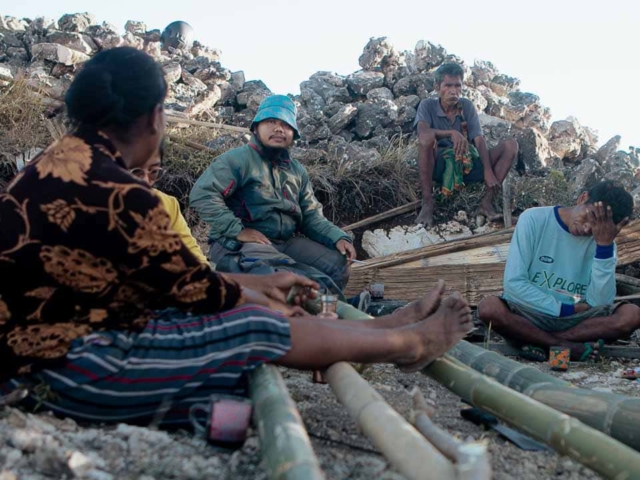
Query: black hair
[(115, 88), (161, 149), (614, 195), (451, 69)]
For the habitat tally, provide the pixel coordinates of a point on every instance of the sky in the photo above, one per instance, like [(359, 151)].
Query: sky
[(579, 57)]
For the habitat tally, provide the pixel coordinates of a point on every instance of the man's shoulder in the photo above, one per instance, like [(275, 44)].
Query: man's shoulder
[(467, 105), (235, 153), (430, 103), (535, 218), (537, 212), (297, 166)]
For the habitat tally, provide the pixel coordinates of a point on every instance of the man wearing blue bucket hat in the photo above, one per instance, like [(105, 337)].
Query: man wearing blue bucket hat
[(261, 207)]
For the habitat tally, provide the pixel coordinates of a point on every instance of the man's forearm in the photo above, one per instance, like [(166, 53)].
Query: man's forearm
[(443, 133)]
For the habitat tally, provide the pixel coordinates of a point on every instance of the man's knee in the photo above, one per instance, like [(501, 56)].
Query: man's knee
[(510, 147), (427, 140), (491, 310), (627, 319)]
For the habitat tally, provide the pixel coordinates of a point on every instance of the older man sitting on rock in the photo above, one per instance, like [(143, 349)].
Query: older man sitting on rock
[(262, 210), (451, 148)]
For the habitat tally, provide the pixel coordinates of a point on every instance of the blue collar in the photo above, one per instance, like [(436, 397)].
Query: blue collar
[(560, 222)]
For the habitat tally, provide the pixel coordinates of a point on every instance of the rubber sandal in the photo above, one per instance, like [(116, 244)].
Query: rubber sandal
[(533, 354), (590, 353)]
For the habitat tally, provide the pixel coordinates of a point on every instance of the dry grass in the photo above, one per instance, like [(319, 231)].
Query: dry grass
[(22, 124), (530, 192), (353, 191), (184, 164), (349, 191)]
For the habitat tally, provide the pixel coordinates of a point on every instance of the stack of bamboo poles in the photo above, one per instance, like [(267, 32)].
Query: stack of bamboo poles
[(613, 414), (473, 265), (565, 434)]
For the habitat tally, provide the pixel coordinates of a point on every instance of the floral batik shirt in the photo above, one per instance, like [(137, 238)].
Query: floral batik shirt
[(84, 246)]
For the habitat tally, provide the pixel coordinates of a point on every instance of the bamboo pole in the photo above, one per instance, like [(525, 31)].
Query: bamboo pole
[(383, 216), (401, 444), (565, 434), (220, 126), (285, 444), (613, 414)]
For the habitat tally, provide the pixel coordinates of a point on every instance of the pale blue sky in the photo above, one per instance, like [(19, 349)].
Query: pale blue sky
[(578, 56)]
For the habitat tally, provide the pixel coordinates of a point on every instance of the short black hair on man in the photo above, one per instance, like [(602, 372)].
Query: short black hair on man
[(614, 195), (451, 69)]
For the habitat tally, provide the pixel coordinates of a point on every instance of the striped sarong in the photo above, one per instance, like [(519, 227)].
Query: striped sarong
[(158, 374)]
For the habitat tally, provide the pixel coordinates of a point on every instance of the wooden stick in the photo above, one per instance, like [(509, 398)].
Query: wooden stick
[(285, 444), (383, 216), (627, 279), (401, 444), (506, 203), (635, 296), (471, 460), (221, 126), (477, 241), (194, 145)]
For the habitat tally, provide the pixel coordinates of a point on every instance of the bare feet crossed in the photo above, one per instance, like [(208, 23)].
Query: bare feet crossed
[(437, 333)]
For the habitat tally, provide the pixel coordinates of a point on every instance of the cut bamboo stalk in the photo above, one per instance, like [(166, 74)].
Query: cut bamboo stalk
[(613, 414), (285, 444), (471, 460), (565, 434), (383, 216), (401, 444), (220, 126)]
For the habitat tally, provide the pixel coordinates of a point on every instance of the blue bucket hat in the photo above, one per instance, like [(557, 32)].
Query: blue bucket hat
[(280, 107)]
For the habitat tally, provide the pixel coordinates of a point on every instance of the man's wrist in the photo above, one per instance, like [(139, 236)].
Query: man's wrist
[(604, 251)]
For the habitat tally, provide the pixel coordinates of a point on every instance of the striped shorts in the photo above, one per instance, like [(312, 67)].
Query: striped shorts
[(158, 374)]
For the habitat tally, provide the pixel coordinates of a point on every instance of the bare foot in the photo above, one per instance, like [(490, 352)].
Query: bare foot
[(425, 217), (487, 209), (434, 337), (420, 309)]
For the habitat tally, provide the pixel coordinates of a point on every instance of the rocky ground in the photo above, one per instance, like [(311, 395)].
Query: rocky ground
[(42, 447)]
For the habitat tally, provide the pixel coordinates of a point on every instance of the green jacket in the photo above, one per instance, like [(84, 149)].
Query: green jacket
[(243, 189)]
